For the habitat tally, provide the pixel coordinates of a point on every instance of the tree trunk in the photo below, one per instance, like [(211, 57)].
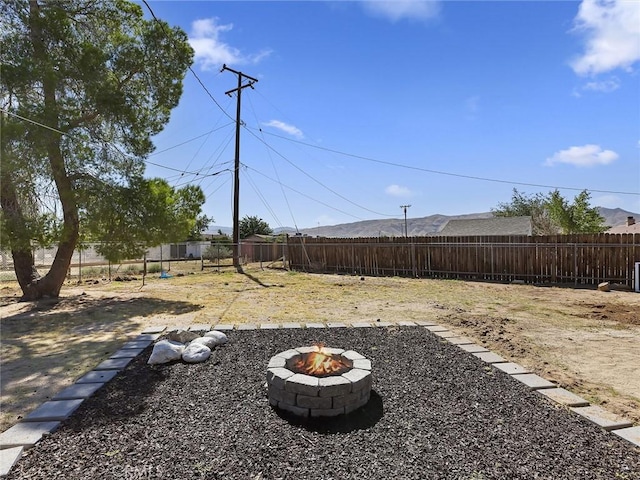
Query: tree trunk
[(33, 286)]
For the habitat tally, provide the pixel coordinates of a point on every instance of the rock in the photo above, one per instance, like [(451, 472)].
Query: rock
[(166, 351), (220, 337), (196, 353), (182, 336), (604, 287), (207, 341)]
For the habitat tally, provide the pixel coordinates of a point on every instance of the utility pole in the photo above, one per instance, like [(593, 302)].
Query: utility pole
[(404, 207), (236, 169)]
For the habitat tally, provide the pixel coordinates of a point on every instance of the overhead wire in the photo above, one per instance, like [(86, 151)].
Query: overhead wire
[(162, 25), (275, 170), (304, 194), (108, 144), (263, 199), (318, 181), (439, 172), (188, 141)]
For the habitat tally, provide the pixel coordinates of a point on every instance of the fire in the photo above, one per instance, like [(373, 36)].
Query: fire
[(320, 363)]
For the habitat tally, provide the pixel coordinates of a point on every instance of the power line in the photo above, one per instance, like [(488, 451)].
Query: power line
[(190, 140), (114, 147), (439, 172), (275, 170), (318, 181), (303, 194)]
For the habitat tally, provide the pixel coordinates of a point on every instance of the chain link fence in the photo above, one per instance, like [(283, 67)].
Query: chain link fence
[(86, 262)]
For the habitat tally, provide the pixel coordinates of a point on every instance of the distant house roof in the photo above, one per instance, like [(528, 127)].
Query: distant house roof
[(630, 226), (487, 226), (258, 238)]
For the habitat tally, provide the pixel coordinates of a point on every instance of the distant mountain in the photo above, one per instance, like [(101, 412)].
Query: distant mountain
[(416, 227), (616, 216)]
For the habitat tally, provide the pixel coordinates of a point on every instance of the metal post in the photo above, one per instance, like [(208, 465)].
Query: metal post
[(404, 207)]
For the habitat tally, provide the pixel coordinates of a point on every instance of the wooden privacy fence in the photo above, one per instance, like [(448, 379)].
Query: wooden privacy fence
[(586, 259)]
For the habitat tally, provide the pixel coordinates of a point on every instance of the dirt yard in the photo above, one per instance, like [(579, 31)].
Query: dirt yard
[(585, 340)]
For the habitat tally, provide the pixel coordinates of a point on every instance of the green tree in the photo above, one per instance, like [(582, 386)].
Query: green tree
[(148, 212), (552, 213), (251, 225), (84, 87), (534, 206), (576, 217)]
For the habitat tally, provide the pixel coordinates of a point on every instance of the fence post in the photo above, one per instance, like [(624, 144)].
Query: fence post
[(575, 263), (413, 260), (79, 265)]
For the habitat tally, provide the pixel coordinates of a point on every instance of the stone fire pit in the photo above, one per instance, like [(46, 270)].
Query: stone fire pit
[(343, 388)]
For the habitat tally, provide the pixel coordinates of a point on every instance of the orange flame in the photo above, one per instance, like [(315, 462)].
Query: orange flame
[(320, 363)]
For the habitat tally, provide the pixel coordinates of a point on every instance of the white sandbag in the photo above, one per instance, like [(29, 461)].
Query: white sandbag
[(208, 341), (165, 351), (220, 337), (196, 353)]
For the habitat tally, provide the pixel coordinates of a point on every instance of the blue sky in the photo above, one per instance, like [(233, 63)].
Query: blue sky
[(361, 107)]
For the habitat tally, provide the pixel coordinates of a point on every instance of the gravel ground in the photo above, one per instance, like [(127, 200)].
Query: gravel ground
[(435, 412)]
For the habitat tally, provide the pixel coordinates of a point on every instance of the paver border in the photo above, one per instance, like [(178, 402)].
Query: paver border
[(11, 453)]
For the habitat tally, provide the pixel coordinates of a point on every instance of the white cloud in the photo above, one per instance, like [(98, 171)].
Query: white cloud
[(395, 10), (612, 34), (602, 86), (285, 127), (605, 86), (211, 52), (607, 201), (585, 156), (398, 191)]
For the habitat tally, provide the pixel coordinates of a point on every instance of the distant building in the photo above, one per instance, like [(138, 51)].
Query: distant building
[(260, 248), (487, 226), (630, 226)]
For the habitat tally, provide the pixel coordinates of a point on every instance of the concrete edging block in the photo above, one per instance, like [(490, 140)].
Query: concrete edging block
[(97, 376), (564, 397), (533, 381), (602, 417), (511, 368), (489, 357), (78, 390), (26, 434), (8, 458), (53, 410), (114, 363), (630, 434)]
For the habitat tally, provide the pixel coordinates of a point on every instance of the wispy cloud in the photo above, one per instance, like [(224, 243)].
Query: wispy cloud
[(612, 35), (602, 86), (285, 127), (396, 10), (398, 191), (211, 52), (585, 156), (607, 201)]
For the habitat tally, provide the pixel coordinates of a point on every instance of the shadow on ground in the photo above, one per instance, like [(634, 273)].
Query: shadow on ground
[(54, 342), (361, 419)]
